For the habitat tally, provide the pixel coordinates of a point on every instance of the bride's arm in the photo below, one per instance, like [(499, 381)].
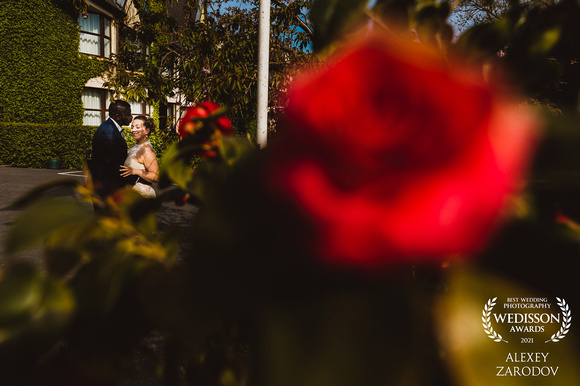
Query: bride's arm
[(151, 172)]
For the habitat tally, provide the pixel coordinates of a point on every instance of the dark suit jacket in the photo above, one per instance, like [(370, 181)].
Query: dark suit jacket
[(109, 153)]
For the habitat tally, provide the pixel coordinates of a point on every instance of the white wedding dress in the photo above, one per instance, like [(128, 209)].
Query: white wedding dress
[(145, 190)]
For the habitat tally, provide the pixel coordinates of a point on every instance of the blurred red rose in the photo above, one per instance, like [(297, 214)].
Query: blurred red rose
[(391, 153), (206, 132)]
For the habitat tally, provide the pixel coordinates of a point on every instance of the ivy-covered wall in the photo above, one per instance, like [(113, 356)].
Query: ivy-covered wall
[(41, 72)]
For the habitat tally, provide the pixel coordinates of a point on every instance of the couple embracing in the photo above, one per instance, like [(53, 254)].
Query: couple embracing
[(112, 167)]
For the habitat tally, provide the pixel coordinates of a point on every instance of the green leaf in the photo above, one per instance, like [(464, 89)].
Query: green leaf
[(331, 18), (20, 291), (57, 307), (43, 218), (234, 148), (32, 304), (176, 166), (210, 177), (546, 41)]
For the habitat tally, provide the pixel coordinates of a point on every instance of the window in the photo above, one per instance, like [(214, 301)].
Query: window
[(166, 115), (139, 108), (95, 38), (95, 104)]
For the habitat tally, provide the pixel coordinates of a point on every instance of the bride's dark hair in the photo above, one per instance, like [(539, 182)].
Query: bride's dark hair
[(148, 122)]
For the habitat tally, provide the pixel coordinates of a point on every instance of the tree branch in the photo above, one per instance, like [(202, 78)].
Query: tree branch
[(301, 22)]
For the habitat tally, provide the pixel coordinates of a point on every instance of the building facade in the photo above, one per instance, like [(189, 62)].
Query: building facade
[(100, 38)]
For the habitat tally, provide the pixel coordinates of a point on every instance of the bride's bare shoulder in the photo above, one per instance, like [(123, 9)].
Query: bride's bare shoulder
[(146, 149)]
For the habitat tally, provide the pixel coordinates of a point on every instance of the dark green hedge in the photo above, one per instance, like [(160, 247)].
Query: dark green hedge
[(32, 145), (42, 73)]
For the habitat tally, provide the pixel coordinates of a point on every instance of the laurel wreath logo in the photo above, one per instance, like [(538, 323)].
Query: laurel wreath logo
[(566, 321), (486, 322)]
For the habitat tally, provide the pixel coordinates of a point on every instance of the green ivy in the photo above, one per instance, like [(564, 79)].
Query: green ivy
[(32, 145), (42, 73)]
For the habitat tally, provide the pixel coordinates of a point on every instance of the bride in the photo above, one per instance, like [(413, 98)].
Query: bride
[(141, 160)]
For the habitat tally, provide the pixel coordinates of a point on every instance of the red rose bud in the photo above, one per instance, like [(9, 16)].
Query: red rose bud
[(223, 123), (191, 124), (391, 153)]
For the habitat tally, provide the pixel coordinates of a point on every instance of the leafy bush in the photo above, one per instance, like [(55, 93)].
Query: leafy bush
[(32, 145)]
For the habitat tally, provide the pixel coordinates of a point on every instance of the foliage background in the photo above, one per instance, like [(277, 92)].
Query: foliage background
[(215, 58), (32, 145), (41, 72)]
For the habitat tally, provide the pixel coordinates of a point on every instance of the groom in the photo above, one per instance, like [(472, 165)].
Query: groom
[(110, 150)]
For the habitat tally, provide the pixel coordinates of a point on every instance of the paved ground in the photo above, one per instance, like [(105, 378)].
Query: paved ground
[(14, 182)]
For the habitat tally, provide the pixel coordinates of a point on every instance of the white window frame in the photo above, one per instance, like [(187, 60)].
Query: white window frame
[(102, 108)]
